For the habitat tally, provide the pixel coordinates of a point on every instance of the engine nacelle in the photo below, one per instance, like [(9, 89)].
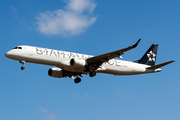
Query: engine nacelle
[(78, 63), (55, 72)]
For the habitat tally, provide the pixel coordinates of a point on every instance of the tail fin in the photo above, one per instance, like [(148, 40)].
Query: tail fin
[(149, 57)]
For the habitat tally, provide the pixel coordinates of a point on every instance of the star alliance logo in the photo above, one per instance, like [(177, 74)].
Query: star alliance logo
[(151, 56)]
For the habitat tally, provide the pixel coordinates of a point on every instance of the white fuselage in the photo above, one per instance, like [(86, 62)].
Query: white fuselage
[(61, 59)]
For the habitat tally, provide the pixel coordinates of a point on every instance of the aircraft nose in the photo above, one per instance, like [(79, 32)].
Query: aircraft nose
[(8, 54)]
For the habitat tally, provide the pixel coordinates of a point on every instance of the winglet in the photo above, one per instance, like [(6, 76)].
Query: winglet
[(135, 45)]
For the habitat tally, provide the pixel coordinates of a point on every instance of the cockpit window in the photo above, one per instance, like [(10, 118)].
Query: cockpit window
[(17, 48)]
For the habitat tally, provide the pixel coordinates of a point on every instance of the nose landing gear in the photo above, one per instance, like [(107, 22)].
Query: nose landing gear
[(23, 64)]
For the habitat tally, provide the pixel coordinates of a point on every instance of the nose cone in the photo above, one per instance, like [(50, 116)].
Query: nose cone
[(8, 54)]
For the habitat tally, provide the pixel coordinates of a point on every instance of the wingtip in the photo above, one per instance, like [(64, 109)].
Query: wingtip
[(139, 40), (135, 45), (171, 61)]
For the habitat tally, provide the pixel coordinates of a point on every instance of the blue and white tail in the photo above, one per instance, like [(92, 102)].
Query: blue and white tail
[(149, 57)]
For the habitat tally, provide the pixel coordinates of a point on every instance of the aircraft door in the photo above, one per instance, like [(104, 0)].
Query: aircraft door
[(134, 67), (30, 51)]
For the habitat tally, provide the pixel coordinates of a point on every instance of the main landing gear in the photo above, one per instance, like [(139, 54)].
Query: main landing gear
[(92, 74), (23, 64), (77, 80)]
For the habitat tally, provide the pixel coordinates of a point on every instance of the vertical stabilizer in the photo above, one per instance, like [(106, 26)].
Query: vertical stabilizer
[(149, 57)]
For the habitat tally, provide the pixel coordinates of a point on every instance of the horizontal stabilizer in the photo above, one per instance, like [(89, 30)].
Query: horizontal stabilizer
[(160, 65)]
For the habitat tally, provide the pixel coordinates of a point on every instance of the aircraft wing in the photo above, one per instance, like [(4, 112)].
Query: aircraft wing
[(98, 60)]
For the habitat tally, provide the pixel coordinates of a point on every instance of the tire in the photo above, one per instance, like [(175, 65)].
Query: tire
[(92, 74), (77, 80), (22, 68)]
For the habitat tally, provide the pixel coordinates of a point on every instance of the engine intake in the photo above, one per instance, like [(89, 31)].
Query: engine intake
[(78, 63), (55, 72)]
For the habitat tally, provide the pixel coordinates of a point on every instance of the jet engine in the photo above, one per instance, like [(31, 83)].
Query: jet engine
[(78, 63), (56, 72)]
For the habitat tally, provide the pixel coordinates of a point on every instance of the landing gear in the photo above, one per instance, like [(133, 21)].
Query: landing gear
[(92, 74), (77, 80), (23, 64), (22, 68)]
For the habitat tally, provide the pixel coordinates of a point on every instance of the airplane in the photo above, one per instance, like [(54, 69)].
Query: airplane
[(69, 64)]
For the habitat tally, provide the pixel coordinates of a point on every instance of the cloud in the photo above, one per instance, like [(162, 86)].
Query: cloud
[(43, 110), (120, 92), (48, 115), (83, 97), (13, 8), (74, 19)]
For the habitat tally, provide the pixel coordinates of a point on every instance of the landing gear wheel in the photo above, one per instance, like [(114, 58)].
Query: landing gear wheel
[(92, 74), (77, 80), (23, 64), (22, 68)]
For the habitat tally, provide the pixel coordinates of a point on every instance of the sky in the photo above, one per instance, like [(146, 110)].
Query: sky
[(91, 27)]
